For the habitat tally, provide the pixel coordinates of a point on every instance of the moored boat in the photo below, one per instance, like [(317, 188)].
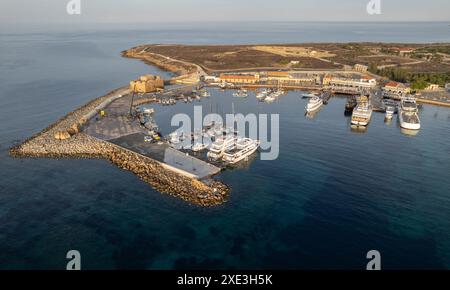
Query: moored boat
[(408, 114), (241, 150), (362, 113), (314, 104)]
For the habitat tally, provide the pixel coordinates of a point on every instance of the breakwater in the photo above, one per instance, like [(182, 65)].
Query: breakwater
[(65, 139)]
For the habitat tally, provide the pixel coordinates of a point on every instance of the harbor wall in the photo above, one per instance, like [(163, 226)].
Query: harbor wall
[(80, 145)]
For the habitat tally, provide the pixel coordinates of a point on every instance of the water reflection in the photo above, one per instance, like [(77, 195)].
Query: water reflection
[(409, 132), (358, 129)]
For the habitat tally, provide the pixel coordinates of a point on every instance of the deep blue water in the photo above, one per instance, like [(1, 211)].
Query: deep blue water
[(332, 195)]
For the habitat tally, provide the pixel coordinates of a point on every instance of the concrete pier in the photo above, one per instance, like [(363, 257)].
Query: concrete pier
[(74, 143)]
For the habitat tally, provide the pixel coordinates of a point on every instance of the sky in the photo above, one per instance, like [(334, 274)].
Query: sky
[(16, 12)]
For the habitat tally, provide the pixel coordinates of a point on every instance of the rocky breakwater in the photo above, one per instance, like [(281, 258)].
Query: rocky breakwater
[(169, 182), (66, 139)]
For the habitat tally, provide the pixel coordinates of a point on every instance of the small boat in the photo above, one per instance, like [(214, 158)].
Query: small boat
[(350, 105), (205, 94), (240, 94), (197, 147), (314, 104), (308, 96), (262, 95), (269, 99), (390, 111)]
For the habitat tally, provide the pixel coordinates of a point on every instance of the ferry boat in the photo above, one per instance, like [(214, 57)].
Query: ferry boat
[(408, 114), (362, 113), (242, 149), (219, 147), (314, 104)]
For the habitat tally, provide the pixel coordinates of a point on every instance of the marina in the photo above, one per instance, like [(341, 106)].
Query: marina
[(329, 189)]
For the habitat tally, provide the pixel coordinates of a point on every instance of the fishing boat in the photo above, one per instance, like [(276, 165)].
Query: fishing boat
[(314, 104)]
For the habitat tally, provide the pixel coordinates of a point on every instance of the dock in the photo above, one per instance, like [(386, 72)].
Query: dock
[(170, 158)]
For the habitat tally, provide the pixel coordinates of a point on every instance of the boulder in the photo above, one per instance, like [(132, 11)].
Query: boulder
[(62, 135)]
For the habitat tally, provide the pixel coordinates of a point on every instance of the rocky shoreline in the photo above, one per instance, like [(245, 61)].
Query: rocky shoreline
[(65, 139)]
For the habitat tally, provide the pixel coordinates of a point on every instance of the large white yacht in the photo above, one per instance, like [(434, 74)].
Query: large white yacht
[(220, 145), (242, 149), (362, 113), (408, 114), (314, 104)]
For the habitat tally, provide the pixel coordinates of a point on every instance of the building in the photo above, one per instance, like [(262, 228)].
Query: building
[(239, 78), (147, 84), (404, 51), (364, 82), (395, 88), (360, 68), (432, 87), (210, 79), (288, 78)]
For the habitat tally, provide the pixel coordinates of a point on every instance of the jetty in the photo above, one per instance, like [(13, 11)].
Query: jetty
[(70, 137)]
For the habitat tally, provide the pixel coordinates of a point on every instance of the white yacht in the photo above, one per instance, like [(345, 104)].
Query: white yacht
[(408, 114), (241, 94), (269, 99), (242, 149), (390, 111), (314, 104), (219, 147), (262, 95), (308, 96), (205, 94), (197, 147), (362, 113)]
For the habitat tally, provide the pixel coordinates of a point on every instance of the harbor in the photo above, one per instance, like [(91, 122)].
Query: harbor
[(127, 121), (123, 123)]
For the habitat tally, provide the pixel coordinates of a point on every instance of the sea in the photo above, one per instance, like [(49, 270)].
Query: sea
[(332, 195)]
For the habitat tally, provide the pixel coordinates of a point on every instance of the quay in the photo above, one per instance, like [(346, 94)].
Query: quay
[(66, 138), (167, 156)]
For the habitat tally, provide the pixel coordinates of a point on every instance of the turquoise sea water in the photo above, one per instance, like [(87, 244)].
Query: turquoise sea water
[(331, 196)]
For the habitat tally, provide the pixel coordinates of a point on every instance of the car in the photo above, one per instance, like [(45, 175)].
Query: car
[(148, 139)]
